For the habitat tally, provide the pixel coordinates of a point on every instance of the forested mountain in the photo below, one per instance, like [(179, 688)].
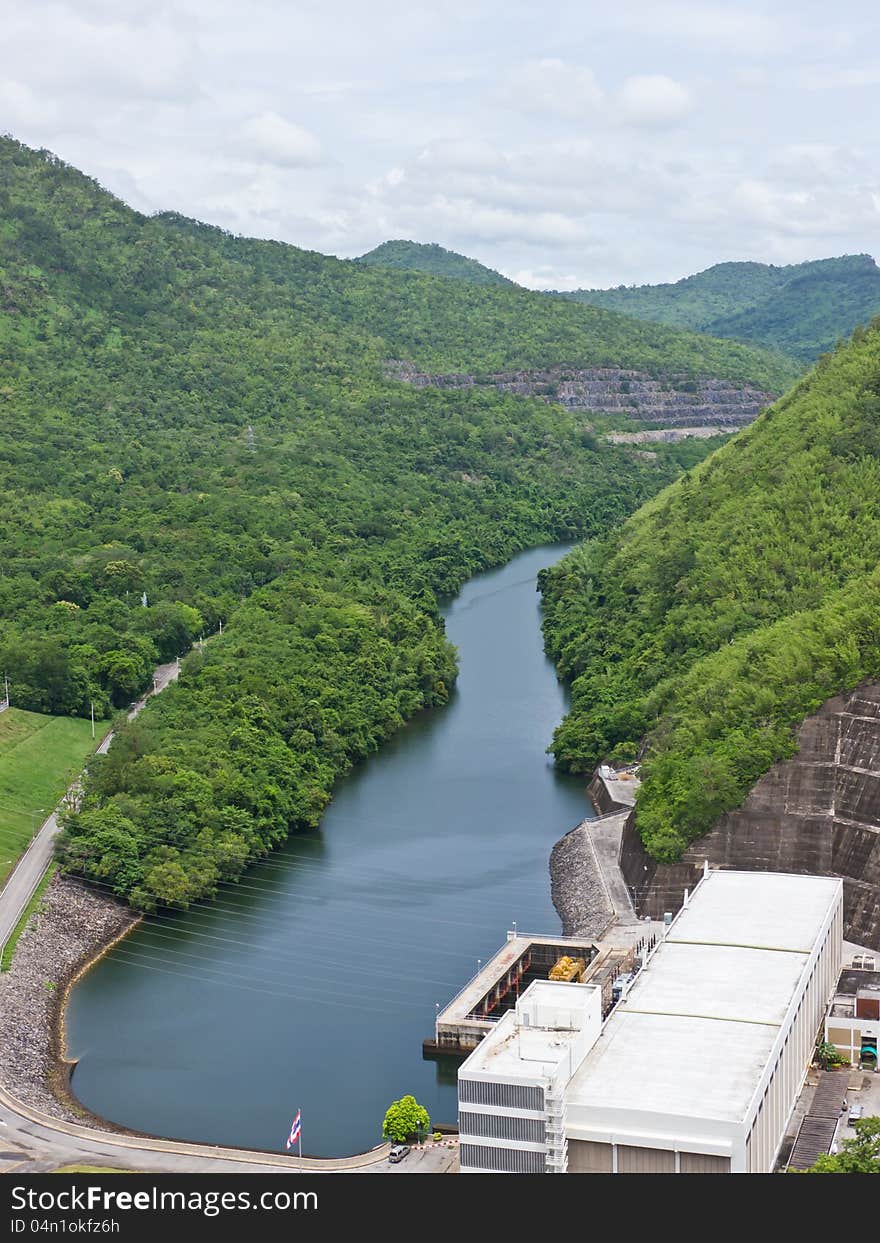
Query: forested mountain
[(433, 259), (731, 605), (802, 309), (135, 355)]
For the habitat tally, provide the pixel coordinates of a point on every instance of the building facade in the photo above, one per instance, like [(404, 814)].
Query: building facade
[(698, 1068), (853, 1022), (511, 1090)]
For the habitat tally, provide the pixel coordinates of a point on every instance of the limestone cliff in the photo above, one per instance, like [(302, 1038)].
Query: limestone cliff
[(816, 813), (673, 399)]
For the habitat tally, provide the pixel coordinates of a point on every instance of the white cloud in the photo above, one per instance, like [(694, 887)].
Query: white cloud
[(835, 211), (815, 163), (544, 278), (462, 155), (836, 77), (271, 138), (653, 100), (611, 144), (553, 87)]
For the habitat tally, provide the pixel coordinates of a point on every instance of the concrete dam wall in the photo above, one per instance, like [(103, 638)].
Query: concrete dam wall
[(817, 813)]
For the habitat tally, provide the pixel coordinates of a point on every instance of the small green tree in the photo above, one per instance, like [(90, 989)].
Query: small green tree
[(404, 1118), (829, 1055), (857, 1156)]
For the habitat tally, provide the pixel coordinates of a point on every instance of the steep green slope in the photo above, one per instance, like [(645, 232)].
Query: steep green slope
[(434, 260), (802, 309), (812, 310), (724, 289), (730, 606), (135, 354), (453, 326)]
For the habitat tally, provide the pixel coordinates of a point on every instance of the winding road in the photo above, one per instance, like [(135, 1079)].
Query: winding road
[(31, 867)]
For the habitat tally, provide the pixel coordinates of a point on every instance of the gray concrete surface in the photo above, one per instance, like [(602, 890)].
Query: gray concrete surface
[(46, 1143), (605, 834)]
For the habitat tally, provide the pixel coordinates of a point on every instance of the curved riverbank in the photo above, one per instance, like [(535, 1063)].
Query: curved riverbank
[(71, 930), (330, 956)]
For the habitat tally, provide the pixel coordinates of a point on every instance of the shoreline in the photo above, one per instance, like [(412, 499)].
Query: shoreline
[(71, 930), (577, 887)]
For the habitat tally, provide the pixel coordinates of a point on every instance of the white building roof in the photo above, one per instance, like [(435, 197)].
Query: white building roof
[(672, 1066), (764, 909), (718, 982), (561, 1018), (511, 1054), (695, 1032)]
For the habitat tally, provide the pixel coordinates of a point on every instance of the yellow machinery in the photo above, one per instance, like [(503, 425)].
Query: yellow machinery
[(569, 970)]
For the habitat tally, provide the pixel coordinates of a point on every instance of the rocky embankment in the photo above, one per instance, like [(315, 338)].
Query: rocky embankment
[(675, 400), (576, 885), (71, 926), (666, 435)]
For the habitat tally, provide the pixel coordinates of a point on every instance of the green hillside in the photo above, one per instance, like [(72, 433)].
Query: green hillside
[(731, 605), (454, 326), (803, 309), (434, 260), (135, 355)]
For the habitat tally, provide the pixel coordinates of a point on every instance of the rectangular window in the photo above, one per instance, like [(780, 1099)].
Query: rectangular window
[(499, 1126), (503, 1095), (501, 1160)]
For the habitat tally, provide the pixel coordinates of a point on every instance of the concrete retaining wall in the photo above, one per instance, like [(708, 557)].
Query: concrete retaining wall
[(818, 813)]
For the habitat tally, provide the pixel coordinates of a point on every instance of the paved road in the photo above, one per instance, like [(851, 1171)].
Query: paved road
[(604, 836), (44, 1143), (29, 871)]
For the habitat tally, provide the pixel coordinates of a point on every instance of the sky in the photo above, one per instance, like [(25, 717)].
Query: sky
[(583, 144)]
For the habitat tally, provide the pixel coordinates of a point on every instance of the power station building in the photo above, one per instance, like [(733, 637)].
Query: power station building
[(696, 1069)]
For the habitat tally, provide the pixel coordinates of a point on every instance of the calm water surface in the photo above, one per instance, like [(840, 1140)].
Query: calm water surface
[(314, 981)]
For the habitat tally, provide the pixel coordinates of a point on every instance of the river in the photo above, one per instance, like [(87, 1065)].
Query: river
[(313, 982)]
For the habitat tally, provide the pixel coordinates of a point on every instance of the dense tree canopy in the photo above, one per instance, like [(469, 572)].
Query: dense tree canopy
[(730, 606), (197, 428), (802, 309), (434, 259)]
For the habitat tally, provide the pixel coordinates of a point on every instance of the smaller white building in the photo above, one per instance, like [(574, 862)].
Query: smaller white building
[(853, 1021), (511, 1090)]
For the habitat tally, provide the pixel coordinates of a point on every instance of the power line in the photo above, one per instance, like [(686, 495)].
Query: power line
[(373, 873), (330, 1001), (148, 929), (180, 955), (206, 909)]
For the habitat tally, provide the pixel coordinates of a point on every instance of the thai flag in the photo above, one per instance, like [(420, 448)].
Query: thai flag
[(295, 1130)]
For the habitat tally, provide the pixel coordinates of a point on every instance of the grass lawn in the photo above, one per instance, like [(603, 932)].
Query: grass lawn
[(39, 757)]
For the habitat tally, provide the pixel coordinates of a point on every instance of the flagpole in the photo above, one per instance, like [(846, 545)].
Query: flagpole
[(300, 1136)]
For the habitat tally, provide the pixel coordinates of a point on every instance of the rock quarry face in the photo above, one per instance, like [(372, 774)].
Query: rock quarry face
[(675, 400), (818, 813)]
